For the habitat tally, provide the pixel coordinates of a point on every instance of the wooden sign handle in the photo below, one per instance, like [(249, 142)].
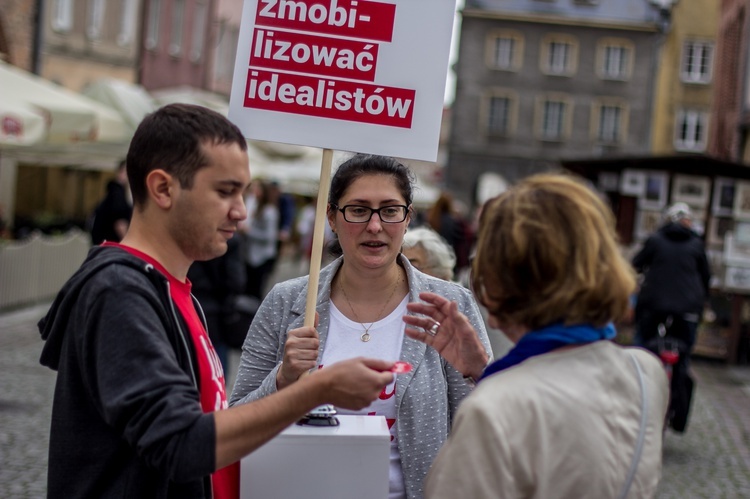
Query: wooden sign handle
[(318, 236)]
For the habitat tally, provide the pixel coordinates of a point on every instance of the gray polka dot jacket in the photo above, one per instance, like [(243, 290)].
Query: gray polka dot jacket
[(426, 398)]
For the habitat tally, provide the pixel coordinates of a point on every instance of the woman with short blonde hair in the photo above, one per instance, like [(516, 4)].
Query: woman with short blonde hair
[(566, 413)]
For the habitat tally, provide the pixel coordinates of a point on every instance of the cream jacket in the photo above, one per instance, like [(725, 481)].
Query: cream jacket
[(560, 425)]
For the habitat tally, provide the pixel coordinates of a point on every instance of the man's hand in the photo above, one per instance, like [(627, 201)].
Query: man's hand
[(454, 338), (300, 354), (355, 383)]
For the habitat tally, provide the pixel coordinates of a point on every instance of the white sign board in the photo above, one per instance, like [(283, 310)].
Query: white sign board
[(349, 75)]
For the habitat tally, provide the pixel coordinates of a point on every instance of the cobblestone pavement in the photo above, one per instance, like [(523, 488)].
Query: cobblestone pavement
[(711, 460)]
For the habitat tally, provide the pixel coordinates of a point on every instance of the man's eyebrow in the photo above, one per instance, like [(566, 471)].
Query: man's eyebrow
[(233, 183)]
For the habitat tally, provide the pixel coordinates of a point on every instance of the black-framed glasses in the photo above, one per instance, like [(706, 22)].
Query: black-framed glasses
[(356, 214)]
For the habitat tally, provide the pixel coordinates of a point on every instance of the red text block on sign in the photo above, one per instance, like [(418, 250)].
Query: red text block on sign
[(340, 100), (319, 55), (348, 18)]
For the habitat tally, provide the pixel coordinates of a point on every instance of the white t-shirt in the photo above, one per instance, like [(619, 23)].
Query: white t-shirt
[(386, 338)]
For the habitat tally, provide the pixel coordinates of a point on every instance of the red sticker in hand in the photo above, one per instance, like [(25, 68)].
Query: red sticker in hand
[(401, 367)]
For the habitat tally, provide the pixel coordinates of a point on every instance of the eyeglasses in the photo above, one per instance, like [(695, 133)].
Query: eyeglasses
[(362, 214)]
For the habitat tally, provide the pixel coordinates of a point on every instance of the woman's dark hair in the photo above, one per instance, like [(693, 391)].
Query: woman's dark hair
[(361, 165)]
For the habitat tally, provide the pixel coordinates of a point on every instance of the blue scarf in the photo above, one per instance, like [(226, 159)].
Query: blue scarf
[(547, 339)]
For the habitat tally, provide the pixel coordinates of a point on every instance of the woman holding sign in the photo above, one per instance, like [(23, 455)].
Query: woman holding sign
[(361, 300)]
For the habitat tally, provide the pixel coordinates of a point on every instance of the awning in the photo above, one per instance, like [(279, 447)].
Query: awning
[(36, 111), (190, 95), (132, 101)]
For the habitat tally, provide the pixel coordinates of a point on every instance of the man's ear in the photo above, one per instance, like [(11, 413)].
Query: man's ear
[(159, 187)]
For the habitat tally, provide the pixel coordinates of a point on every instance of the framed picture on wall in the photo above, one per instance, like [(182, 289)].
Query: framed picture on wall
[(723, 198), (646, 223), (655, 193), (608, 181), (633, 183), (691, 189), (717, 229), (742, 201)]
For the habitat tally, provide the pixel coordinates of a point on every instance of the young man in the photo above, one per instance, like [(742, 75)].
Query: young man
[(139, 402)]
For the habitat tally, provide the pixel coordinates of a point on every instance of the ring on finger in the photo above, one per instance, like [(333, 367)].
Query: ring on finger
[(434, 328)]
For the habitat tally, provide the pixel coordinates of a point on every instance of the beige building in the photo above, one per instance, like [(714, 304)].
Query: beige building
[(84, 41), (684, 78)]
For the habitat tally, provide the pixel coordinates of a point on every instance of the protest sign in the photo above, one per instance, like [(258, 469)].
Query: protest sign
[(350, 75)]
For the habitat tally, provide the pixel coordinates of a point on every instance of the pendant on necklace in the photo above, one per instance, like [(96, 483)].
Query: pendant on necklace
[(365, 337)]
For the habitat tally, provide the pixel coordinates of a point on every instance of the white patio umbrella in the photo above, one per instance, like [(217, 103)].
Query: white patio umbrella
[(67, 117)]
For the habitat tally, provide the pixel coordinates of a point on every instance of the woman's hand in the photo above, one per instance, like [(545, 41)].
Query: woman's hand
[(454, 338), (300, 354)]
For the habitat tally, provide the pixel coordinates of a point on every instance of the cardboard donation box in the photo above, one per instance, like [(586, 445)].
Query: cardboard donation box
[(321, 462)]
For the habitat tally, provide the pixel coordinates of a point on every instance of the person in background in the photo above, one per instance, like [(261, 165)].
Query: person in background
[(566, 413), (429, 253), (287, 213), (140, 406), (360, 301), (216, 282), (443, 217), (675, 287), (676, 279), (112, 214), (261, 248)]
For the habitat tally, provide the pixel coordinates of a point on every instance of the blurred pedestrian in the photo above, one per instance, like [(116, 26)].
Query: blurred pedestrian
[(111, 216), (140, 405), (444, 217), (675, 287), (261, 248), (566, 413), (216, 284), (429, 253)]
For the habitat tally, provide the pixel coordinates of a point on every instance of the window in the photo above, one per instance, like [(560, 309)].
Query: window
[(614, 59), (609, 121), (553, 117), (199, 32), (128, 19), (94, 19), (498, 112), (62, 16), (559, 54), (152, 30), (691, 130), (505, 50), (696, 61), (175, 38), (226, 51)]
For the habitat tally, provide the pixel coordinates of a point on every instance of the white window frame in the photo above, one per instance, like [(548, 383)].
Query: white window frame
[(697, 61), (552, 45), (128, 21), (514, 59), (695, 137), (618, 133), (152, 26), (95, 18), (511, 112), (607, 47), (564, 104), (62, 16), (176, 35), (198, 41)]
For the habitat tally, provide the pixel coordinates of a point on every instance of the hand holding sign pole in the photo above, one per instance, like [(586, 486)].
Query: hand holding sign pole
[(348, 75)]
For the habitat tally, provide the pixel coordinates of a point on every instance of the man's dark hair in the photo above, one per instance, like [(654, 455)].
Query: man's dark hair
[(171, 138)]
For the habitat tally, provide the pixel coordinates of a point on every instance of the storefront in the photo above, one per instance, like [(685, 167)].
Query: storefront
[(718, 192)]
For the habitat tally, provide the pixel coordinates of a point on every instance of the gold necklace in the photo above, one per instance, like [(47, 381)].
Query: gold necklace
[(366, 335)]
